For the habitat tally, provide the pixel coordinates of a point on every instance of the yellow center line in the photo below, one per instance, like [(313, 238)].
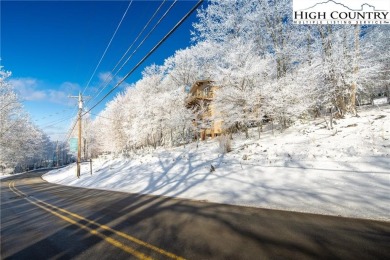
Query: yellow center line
[(109, 240), (95, 232)]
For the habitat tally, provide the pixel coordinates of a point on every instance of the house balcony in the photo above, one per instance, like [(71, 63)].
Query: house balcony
[(199, 95)]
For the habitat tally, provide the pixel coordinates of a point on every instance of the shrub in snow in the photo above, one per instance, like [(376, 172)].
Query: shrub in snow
[(225, 144)]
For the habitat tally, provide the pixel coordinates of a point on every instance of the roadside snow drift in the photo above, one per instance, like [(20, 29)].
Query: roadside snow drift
[(307, 168)]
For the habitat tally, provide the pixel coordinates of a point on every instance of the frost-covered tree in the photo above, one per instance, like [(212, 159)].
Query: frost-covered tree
[(258, 53), (240, 76), (21, 141), (223, 21), (262, 64), (151, 112), (280, 36), (349, 63), (374, 62), (182, 67), (334, 66)]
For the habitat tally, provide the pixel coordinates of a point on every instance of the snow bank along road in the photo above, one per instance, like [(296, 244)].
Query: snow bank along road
[(40, 220), (307, 168), (359, 188)]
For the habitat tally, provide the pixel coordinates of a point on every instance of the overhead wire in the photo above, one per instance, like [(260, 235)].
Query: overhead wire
[(139, 45), (106, 82), (101, 116), (141, 32), (108, 45), (71, 131), (58, 133), (148, 54), (139, 63), (97, 66), (57, 121), (147, 36), (53, 114)]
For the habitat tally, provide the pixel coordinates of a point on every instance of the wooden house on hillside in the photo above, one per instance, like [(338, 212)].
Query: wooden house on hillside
[(200, 100)]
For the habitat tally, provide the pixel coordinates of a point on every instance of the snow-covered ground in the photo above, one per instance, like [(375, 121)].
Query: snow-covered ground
[(5, 174), (307, 168)]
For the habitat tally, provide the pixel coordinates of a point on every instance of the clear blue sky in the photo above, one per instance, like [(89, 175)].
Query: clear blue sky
[(52, 49)]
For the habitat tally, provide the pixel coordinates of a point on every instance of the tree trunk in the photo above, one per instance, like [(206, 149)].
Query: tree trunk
[(331, 119), (340, 104), (309, 42), (171, 137), (352, 101), (246, 132), (259, 128)]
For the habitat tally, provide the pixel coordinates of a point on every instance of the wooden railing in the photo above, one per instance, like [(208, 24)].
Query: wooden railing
[(201, 94)]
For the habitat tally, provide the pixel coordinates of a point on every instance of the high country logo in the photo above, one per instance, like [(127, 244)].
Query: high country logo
[(332, 12)]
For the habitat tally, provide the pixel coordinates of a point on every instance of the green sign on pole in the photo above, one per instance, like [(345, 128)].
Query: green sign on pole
[(73, 144)]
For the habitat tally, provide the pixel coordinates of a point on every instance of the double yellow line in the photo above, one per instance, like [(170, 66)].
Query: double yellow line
[(68, 218)]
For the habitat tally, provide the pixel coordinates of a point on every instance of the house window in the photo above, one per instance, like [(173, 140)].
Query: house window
[(206, 91)]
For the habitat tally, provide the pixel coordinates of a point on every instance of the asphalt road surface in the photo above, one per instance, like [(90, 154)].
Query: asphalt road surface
[(40, 220)]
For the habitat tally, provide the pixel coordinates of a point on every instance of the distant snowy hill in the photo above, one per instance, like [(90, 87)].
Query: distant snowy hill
[(327, 5), (336, 6), (308, 168)]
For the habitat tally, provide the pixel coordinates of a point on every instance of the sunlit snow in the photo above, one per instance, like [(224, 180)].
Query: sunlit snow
[(307, 168)]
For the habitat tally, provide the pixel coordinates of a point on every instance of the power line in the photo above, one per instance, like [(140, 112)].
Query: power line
[(59, 133), (148, 55), (106, 82), (73, 115), (53, 123), (101, 116), (147, 36), (71, 131), (57, 122), (136, 39), (109, 44), (52, 114), (103, 55)]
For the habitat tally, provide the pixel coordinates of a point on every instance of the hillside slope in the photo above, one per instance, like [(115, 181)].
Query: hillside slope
[(307, 168)]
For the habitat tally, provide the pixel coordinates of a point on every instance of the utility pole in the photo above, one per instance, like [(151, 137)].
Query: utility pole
[(80, 101), (58, 154), (79, 136)]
